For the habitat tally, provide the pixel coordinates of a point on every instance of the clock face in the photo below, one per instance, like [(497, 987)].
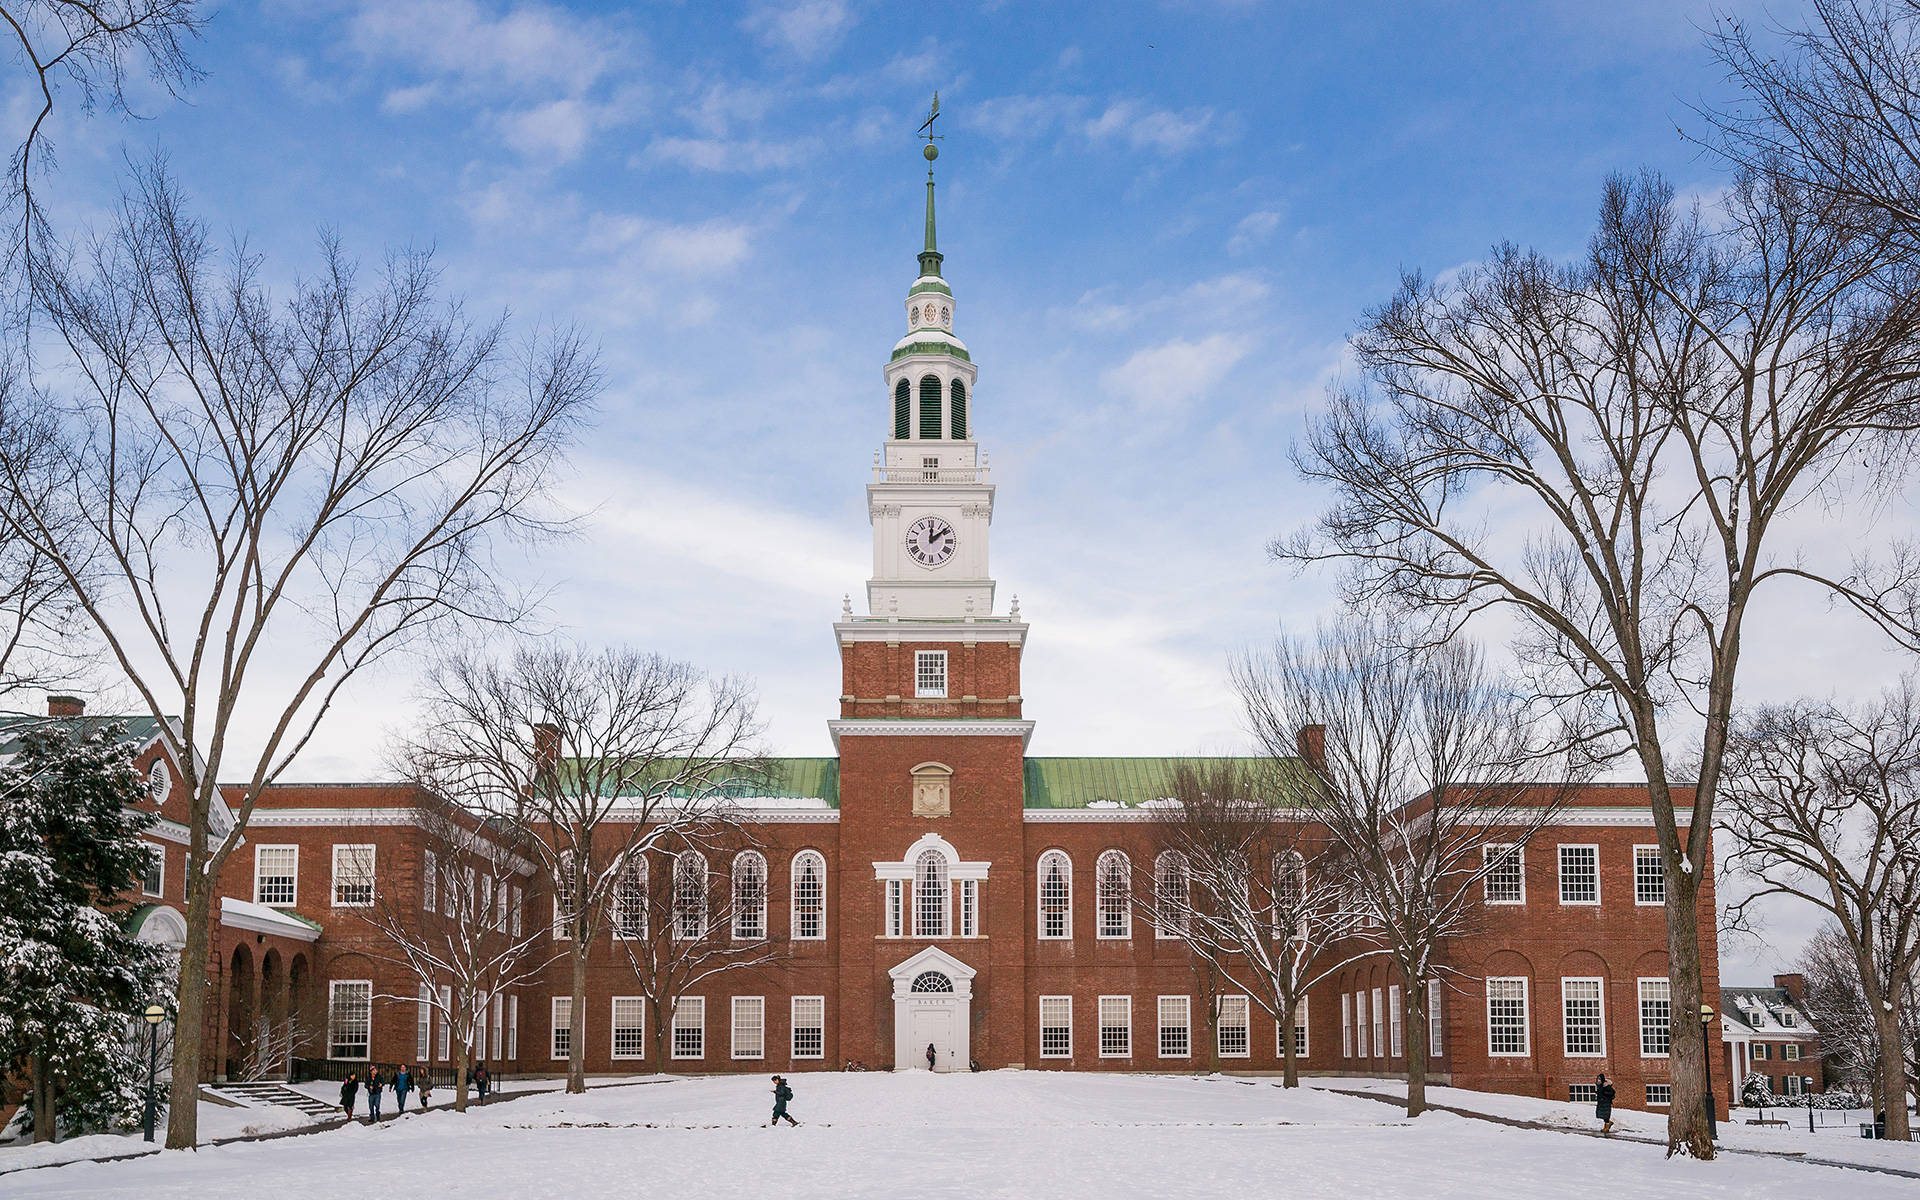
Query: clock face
[(930, 541)]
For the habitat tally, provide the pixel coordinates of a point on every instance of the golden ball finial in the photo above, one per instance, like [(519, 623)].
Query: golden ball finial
[(932, 152)]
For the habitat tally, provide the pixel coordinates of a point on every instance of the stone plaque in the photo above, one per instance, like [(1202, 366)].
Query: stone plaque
[(932, 792)]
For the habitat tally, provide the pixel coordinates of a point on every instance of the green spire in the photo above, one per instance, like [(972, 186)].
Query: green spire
[(930, 257)]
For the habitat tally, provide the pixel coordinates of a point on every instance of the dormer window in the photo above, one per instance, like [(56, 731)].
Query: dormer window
[(930, 674)]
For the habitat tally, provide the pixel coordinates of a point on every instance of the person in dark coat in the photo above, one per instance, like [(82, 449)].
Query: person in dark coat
[(781, 1094), (483, 1081), (376, 1083), (402, 1084), (426, 1087), (349, 1092), (931, 1056), (1603, 1103)]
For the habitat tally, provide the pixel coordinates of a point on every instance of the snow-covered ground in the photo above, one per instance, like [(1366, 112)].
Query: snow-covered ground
[(1000, 1134), (216, 1121)]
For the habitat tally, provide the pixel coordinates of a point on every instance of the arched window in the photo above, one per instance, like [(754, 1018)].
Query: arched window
[(562, 894), (809, 896), (689, 896), (1056, 895), (957, 421), (749, 896), (929, 407), (903, 409), (931, 981), (930, 895), (1289, 891), (1113, 876), (630, 899), (1170, 900)]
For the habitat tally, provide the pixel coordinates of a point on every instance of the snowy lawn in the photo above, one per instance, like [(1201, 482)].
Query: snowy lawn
[(216, 1121), (1001, 1134)]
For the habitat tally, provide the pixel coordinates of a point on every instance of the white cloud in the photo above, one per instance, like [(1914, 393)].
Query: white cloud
[(1253, 229), (721, 154), (1157, 129), (526, 45), (706, 248), (1169, 377), (807, 29), (556, 130), (409, 99)]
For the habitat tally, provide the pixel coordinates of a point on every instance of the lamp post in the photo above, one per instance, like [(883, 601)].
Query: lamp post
[(1706, 1046), (155, 1014), (1806, 1089)]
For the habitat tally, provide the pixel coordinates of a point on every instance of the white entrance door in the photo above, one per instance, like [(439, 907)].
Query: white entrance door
[(932, 1006), (930, 1026)]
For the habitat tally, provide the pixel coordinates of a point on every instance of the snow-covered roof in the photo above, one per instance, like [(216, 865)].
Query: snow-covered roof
[(1764, 1012), (245, 914)]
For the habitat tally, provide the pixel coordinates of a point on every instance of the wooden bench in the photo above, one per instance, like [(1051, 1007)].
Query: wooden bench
[(1765, 1121)]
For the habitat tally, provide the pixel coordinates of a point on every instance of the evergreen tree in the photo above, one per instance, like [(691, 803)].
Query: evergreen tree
[(72, 978)]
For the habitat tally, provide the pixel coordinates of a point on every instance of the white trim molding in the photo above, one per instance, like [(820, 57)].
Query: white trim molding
[(957, 869), (930, 727)]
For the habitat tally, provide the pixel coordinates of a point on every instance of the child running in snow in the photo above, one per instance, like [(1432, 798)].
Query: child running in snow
[(781, 1094)]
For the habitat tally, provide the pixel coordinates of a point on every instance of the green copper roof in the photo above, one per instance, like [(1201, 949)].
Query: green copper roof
[(912, 348), (1079, 782), (140, 729), (785, 778), (930, 257), (933, 285)]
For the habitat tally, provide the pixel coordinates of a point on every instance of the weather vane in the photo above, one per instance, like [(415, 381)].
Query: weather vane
[(926, 129)]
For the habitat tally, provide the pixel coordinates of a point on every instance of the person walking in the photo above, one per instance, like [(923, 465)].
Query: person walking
[(349, 1092), (1603, 1104), (781, 1094), (375, 1084), (483, 1082), (402, 1084), (426, 1087), (931, 1056)]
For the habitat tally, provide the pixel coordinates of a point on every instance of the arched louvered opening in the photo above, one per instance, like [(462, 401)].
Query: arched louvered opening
[(903, 410), (957, 420), (929, 407)]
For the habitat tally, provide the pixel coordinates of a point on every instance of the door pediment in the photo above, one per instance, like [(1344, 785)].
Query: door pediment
[(933, 958)]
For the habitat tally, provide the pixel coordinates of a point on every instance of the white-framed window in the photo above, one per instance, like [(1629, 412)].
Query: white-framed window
[(1796, 1086), (1289, 889), (1659, 1095), (1762, 1052), (1379, 1011), (423, 1029), (930, 674), (153, 880), (1396, 1024), (809, 1026), (629, 1027), (1176, 1027), (467, 896), (499, 1011), (1346, 1025), (1234, 1032), (513, 913), (1056, 896), (1507, 1027), (749, 1027), (1360, 1023), (1505, 880), (276, 874), (445, 1039), (500, 904), (969, 908), (1056, 1027), (1583, 1093), (1300, 1042), (1171, 910), (896, 908), (1786, 1018), (1791, 1051), (1435, 1023), (1116, 1027), (353, 876), (430, 882), (513, 1027), (562, 900), (809, 896), (486, 899), (1579, 874), (349, 1019), (562, 1027), (689, 896), (1113, 885), (1649, 876), (1583, 1018), (690, 1027), (478, 1049), (749, 896), (1656, 1018), (932, 896)]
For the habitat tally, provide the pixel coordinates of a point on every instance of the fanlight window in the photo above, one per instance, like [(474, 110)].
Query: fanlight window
[(1170, 898), (1114, 876), (689, 896), (749, 896), (931, 981), (929, 406), (809, 896), (930, 895), (1055, 895)]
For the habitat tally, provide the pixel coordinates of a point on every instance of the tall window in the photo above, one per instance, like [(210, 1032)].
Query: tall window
[(1506, 878), (423, 1029), (689, 896), (930, 895), (1379, 1011), (690, 1027), (1507, 1017), (275, 872), (352, 876), (929, 407), (499, 1010), (513, 1027), (749, 1026), (153, 880), (896, 908), (1579, 874), (1176, 1027), (1396, 1025), (349, 1018), (930, 674), (629, 1027), (969, 908), (809, 896), (1656, 1018), (1299, 1031), (445, 1039), (1360, 1022), (562, 1028), (959, 414), (1056, 1027), (1346, 1025), (1649, 876), (1235, 1030), (902, 410), (809, 1026), (1582, 1018), (1113, 880), (513, 914), (630, 899), (1434, 1022), (562, 898), (1056, 895), (429, 879), (1116, 1027), (1289, 889), (1170, 894), (749, 896)]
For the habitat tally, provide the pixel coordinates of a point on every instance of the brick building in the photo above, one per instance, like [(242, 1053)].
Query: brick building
[(933, 885), (1768, 1031)]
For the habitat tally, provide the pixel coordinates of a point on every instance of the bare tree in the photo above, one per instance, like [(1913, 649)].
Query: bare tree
[(1252, 898), (1428, 776), (43, 642), (457, 936), (1607, 450), (603, 757), (255, 501), (1823, 805), (1849, 1034)]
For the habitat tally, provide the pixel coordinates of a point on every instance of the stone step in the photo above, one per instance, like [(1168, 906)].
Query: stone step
[(274, 1093)]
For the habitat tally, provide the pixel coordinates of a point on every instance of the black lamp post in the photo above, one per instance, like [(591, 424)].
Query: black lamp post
[(1806, 1089), (155, 1014), (1706, 1046)]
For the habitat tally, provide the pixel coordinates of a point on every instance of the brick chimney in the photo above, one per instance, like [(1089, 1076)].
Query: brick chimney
[(1311, 742), (66, 706), (1793, 985), (546, 750)]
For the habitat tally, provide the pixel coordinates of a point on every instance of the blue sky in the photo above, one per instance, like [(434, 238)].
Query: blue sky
[(1160, 220)]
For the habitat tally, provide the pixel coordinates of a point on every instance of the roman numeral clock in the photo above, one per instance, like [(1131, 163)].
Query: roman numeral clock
[(931, 541)]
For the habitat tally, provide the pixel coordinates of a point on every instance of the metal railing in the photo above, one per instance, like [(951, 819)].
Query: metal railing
[(930, 474)]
